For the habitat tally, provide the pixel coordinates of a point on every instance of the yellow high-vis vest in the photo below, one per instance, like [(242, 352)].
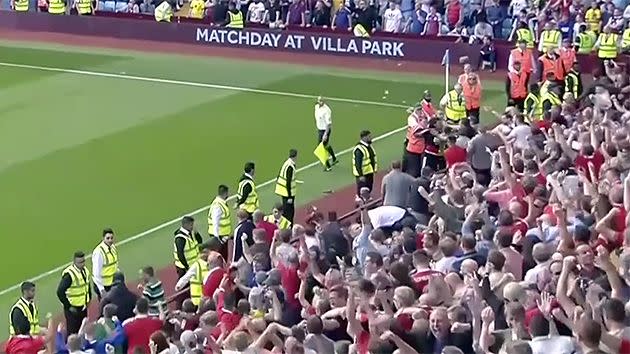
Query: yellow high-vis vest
[(56, 7), (251, 203), (84, 7), (552, 98), (550, 39), (110, 262), (366, 165), (78, 293), (196, 283), (282, 224), (21, 5), (456, 107), (533, 106), (587, 41), (281, 181), (607, 46), (191, 250), (225, 222), (236, 20), (33, 317), (525, 34)]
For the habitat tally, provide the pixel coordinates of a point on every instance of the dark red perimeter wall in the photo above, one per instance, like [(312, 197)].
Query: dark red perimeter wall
[(403, 47)]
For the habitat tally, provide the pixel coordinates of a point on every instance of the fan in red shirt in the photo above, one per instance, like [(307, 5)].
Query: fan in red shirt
[(139, 329), (269, 227), (215, 275), (23, 343), (423, 272), (454, 153), (229, 318)]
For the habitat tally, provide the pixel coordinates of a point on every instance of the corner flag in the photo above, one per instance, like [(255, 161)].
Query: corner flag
[(446, 63)]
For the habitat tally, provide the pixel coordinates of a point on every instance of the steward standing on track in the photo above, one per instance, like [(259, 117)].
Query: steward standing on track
[(186, 246), (247, 196), (74, 292), (364, 163), (235, 17), (57, 7), (516, 87), (220, 221), (19, 5), (104, 263), (84, 7), (286, 185), (24, 315), (454, 105)]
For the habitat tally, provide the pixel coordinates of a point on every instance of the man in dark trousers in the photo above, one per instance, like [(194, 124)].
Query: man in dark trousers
[(186, 245), (74, 292), (244, 227), (24, 314), (247, 196), (364, 163), (286, 185), (121, 296)]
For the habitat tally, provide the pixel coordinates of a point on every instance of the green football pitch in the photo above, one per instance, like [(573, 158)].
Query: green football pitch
[(94, 138)]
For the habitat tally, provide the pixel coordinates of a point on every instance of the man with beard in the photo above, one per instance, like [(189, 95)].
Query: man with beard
[(364, 164), (24, 314)]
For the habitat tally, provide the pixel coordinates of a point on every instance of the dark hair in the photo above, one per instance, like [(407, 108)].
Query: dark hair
[(421, 257), (367, 286), (148, 270), (229, 301), (504, 239), (159, 338), (188, 219), (284, 235), (223, 189), (279, 206), (142, 305), (107, 230), (293, 153), (538, 326), (78, 254), (469, 242), (364, 133), (27, 285), (589, 331), (615, 310), (375, 257), (314, 325), (249, 167), (497, 259)]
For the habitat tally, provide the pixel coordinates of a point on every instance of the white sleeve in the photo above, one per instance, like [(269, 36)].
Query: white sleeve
[(511, 63), (216, 218), (328, 116), (444, 100), (97, 269), (181, 283)]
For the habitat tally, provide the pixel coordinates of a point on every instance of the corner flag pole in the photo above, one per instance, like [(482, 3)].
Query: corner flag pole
[(446, 63)]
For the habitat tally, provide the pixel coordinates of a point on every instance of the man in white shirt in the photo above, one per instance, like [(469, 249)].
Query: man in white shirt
[(192, 271), (392, 18), (256, 12), (323, 121), (104, 263)]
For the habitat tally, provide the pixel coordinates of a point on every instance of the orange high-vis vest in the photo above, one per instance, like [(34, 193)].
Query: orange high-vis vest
[(415, 144), (518, 85), (428, 109), (552, 65), (472, 95), (416, 119), (567, 55), (525, 58)]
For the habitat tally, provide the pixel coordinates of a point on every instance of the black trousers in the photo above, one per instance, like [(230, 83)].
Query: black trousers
[(518, 103), (436, 162), (288, 205), (368, 181), (98, 293), (473, 114), (180, 272), (74, 319), (412, 163), (484, 176), (320, 139)]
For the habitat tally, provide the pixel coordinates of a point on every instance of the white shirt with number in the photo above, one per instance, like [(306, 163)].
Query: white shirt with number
[(323, 116), (256, 11), (393, 19)]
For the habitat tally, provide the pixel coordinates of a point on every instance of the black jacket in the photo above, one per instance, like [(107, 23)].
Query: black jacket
[(124, 300), (245, 227)]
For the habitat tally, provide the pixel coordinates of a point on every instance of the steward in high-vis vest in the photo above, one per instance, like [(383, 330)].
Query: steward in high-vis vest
[(163, 12), (551, 63), (414, 146), (364, 163), (550, 38), (454, 105), (567, 55), (56, 7), (607, 45), (247, 196), (220, 221), (234, 17), (24, 317), (74, 292), (551, 99), (471, 91), (186, 245), (625, 40), (20, 5), (84, 7), (196, 275), (533, 104), (104, 263), (524, 56), (286, 185), (573, 81), (523, 33), (516, 87), (585, 40), (276, 217)]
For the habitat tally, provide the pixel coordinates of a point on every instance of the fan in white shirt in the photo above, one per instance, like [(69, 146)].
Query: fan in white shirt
[(256, 12), (392, 18)]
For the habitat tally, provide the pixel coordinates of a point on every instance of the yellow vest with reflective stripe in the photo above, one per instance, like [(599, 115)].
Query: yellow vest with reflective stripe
[(191, 250), (282, 224), (85, 7), (607, 46), (236, 20), (533, 106), (587, 41), (572, 76), (525, 34), (56, 7), (196, 283), (78, 293), (281, 181), (550, 39), (552, 98), (625, 39), (366, 166), (33, 317), (110, 263), (225, 223), (21, 5), (251, 203), (455, 107)]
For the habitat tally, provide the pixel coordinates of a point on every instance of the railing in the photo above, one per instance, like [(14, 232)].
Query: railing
[(183, 294)]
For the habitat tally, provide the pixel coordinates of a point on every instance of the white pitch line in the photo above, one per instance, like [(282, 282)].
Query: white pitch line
[(194, 84)]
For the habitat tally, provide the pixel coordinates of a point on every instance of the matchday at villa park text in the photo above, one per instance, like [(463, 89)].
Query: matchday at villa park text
[(302, 42)]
